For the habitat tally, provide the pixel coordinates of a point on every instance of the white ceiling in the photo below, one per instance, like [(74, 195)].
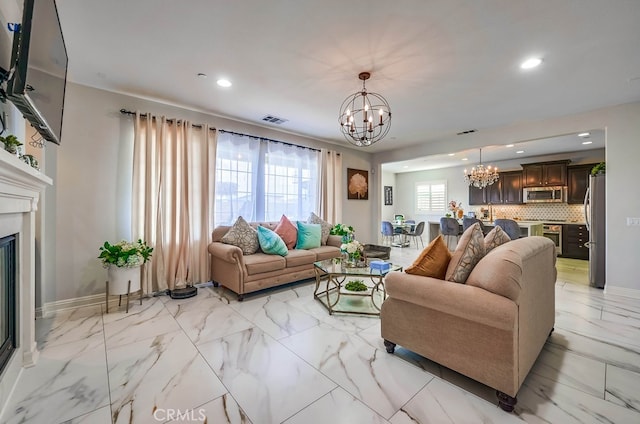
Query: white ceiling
[(444, 65), (493, 154)]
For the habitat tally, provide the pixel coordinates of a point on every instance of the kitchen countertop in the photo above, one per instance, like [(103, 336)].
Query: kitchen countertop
[(551, 222)]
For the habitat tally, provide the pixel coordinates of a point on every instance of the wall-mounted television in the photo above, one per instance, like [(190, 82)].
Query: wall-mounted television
[(38, 70)]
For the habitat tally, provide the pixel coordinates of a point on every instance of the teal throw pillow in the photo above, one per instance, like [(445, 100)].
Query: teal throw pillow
[(309, 235), (271, 243)]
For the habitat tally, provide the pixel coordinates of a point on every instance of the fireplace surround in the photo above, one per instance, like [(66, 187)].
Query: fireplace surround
[(21, 187)]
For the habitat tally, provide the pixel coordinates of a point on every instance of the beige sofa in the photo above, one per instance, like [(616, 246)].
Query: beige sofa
[(249, 273), (490, 329)]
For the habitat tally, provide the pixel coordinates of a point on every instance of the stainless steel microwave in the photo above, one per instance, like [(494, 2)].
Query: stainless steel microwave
[(555, 194)]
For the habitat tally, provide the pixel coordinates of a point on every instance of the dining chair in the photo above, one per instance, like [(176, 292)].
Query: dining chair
[(412, 223), (386, 229), (416, 234)]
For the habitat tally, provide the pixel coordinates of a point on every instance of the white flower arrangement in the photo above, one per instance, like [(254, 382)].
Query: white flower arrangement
[(125, 254), (352, 247)]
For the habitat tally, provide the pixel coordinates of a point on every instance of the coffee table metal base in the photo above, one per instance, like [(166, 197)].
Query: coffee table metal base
[(335, 298)]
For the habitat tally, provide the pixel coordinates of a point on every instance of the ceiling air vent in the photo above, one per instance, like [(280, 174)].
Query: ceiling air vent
[(274, 119), (466, 132)]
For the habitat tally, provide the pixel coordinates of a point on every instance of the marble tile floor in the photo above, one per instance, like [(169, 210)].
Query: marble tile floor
[(278, 357)]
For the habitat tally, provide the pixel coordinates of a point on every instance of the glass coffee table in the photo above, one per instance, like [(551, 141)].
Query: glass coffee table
[(336, 273)]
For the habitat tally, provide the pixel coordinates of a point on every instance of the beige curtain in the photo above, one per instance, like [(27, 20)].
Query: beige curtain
[(173, 168), (331, 186)]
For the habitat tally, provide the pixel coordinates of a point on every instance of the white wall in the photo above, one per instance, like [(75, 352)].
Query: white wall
[(92, 183), (622, 125)]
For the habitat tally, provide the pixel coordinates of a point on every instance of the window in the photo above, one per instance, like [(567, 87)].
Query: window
[(261, 180), (430, 197)]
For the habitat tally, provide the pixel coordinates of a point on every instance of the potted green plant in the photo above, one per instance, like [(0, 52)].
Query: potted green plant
[(598, 169), (346, 231), (123, 261), (11, 143)]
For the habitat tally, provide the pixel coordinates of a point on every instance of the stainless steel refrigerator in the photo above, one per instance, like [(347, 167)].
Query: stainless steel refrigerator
[(594, 212)]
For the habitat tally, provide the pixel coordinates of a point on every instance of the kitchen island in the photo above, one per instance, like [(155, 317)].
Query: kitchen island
[(527, 228)]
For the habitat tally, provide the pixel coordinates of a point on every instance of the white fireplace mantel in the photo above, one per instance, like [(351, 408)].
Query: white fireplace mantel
[(20, 190)]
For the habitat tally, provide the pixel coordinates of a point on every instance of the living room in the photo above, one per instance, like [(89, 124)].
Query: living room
[(89, 199)]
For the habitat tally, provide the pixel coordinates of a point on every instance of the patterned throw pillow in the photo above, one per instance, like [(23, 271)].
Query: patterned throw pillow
[(308, 235), (271, 243), (433, 260), (326, 227), (242, 235), (287, 231), (495, 238), (468, 253)]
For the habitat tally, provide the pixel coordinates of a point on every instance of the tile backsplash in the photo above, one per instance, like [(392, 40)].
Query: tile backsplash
[(538, 211)]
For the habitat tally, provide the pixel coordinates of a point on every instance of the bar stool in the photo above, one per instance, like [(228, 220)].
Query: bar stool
[(468, 222), (510, 227), (449, 227)]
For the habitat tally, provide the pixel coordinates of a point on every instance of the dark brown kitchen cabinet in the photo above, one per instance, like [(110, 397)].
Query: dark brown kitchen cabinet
[(483, 196), (511, 187), (545, 174), (574, 236), (476, 196), (578, 181), (493, 192), (508, 189)]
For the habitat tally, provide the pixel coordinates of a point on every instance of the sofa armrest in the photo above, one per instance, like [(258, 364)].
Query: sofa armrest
[(456, 299), (334, 240), (226, 252)]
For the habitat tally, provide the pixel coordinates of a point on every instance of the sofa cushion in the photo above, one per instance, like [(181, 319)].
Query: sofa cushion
[(243, 236), (469, 251), (495, 238), (326, 227), (299, 257), (287, 231), (270, 242), (433, 261), (326, 252), (261, 262), (309, 235)]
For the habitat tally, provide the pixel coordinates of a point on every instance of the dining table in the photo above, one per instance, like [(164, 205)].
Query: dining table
[(403, 240)]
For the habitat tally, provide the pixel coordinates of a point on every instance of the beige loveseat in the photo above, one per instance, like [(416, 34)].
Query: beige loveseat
[(491, 328), (249, 273)]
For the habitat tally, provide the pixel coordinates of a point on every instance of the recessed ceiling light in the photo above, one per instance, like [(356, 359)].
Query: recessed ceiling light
[(531, 63), (465, 158), (452, 154), (587, 142), (201, 75), (584, 134), (520, 151), (509, 145), (224, 82)]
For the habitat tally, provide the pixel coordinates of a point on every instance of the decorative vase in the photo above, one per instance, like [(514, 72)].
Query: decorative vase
[(460, 213), (347, 238), (119, 280)]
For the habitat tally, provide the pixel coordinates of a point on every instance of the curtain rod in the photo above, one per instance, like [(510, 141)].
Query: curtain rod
[(144, 115)]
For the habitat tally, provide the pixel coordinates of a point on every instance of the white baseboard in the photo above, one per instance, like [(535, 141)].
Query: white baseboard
[(94, 299), (63, 305), (622, 291)]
